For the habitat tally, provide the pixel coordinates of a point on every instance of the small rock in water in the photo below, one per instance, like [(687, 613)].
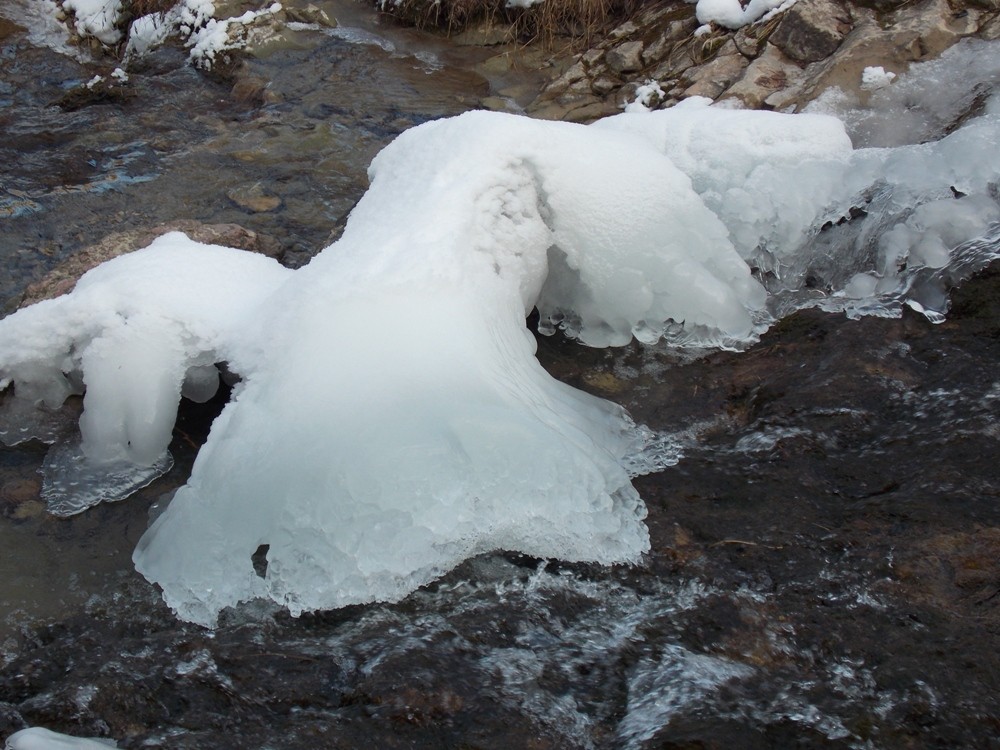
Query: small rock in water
[(253, 198), (18, 491), (310, 14)]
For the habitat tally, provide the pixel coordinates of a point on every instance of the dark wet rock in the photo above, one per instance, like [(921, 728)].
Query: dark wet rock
[(253, 90), (625, 58), (104, 91), (7, 28), (812, 29), (20, 499), (63, 277)]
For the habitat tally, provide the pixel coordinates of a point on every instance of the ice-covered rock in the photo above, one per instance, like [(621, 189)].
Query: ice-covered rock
[(130, 332)]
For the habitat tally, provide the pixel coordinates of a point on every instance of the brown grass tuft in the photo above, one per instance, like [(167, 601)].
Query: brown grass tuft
[(547, 21), (138, 8)]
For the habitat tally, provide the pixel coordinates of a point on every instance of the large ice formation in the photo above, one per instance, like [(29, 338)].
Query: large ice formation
[(392, 419)]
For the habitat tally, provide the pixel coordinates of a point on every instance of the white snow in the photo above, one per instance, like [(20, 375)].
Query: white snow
[(36, 738), (876, 77), (385, 482), (96, 18), (392, 419), (193, 21), (646, 96), (133, 327), (731, 14)]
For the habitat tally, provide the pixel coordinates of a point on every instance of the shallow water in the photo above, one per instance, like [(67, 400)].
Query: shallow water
[(188, 146)]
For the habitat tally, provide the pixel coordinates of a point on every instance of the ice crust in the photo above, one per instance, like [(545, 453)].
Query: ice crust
[(392, 419)]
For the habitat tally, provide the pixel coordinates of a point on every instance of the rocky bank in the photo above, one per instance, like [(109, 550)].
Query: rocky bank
[(782, 63)]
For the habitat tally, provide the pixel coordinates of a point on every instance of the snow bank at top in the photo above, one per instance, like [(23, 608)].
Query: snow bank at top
[(393, 420), (732, 14), (195, 23)]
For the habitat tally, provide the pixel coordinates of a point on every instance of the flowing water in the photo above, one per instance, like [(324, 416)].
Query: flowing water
[(823, 569)]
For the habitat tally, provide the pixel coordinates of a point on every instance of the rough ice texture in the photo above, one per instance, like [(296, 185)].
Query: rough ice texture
[(930, 98), (393, 420)]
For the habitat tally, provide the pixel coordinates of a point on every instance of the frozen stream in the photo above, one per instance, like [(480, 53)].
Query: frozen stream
[(823, 568)]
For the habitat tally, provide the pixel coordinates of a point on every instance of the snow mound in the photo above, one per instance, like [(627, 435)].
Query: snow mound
[(732, 14)]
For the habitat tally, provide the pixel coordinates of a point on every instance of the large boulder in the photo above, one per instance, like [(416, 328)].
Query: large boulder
[(812, 30), (914, 34), (768, 75)]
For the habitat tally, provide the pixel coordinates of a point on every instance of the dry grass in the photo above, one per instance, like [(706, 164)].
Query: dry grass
[(761, 31), (703, 48), (138, 8), (547, 21), (579, 19)]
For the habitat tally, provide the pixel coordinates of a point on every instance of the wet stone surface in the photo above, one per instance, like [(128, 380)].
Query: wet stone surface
[(824, 573)]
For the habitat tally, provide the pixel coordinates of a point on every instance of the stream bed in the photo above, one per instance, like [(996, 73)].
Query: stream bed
[(825, 560)]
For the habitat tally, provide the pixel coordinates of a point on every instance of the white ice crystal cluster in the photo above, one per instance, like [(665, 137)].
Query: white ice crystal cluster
[(392, 419)]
